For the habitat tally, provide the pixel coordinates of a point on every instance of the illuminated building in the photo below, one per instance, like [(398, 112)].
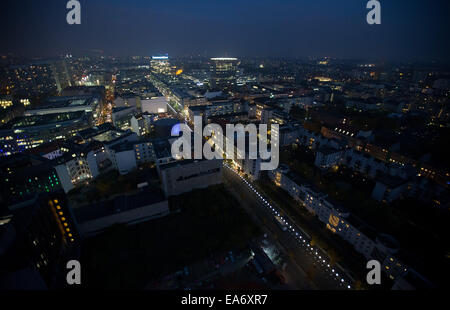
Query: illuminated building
[(40, 236), (121, 117), (67, 104), (6, 101), (59, 118), (8, 114), (154, 105), (223, 72), (30, 79), (24, 176), (160, 64), (79, 163), (61, 75), (128, 100), (338, 220), (141, 123), (186, 175)]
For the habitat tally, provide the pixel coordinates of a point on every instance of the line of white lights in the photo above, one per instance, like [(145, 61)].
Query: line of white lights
[(291, 229)]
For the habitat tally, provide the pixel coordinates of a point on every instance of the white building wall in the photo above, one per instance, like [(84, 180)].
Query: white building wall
[(92, 163), (125, 161), (64, 177), (134, 216)]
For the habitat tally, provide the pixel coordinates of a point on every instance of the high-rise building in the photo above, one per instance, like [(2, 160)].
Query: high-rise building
[(61, 75), (223, 72), (160, 64)]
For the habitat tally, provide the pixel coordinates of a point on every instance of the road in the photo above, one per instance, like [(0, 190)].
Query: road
[(307, 266)]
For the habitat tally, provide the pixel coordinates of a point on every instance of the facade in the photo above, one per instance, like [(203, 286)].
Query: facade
[(387, 189), (363, 105), (24, 176), (140, 124), (289, 134), (59, 105), (31, 131), (75, 168), (59, 118), (337, 219), (223, 72), (126, 209), (160, 64), (327, 157), (157, 151), (121, 117), (38, 238), (130, 100), (123, 157), (6, 101), (61, 75), (184, 176), (80, 163), (251, 167), (31, 79), (217, 109)]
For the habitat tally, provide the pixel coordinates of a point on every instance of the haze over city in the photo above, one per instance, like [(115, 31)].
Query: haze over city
[(410, 30)]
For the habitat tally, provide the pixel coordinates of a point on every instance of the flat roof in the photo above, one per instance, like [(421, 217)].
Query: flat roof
[(47, 119), (68, 101), (391, 181), (109, 135), (117, 205), (162, 148), (184, 162)]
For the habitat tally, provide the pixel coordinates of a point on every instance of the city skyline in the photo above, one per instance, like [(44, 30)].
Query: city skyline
[(193, 146)]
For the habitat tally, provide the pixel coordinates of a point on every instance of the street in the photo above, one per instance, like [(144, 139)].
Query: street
[(307, 267)]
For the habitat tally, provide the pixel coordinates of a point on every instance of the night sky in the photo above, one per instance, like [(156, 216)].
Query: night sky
[(410, 30)]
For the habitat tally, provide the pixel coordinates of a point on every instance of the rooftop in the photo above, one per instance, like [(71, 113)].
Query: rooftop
[(69, 101), (43, 120), (117, 205)]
